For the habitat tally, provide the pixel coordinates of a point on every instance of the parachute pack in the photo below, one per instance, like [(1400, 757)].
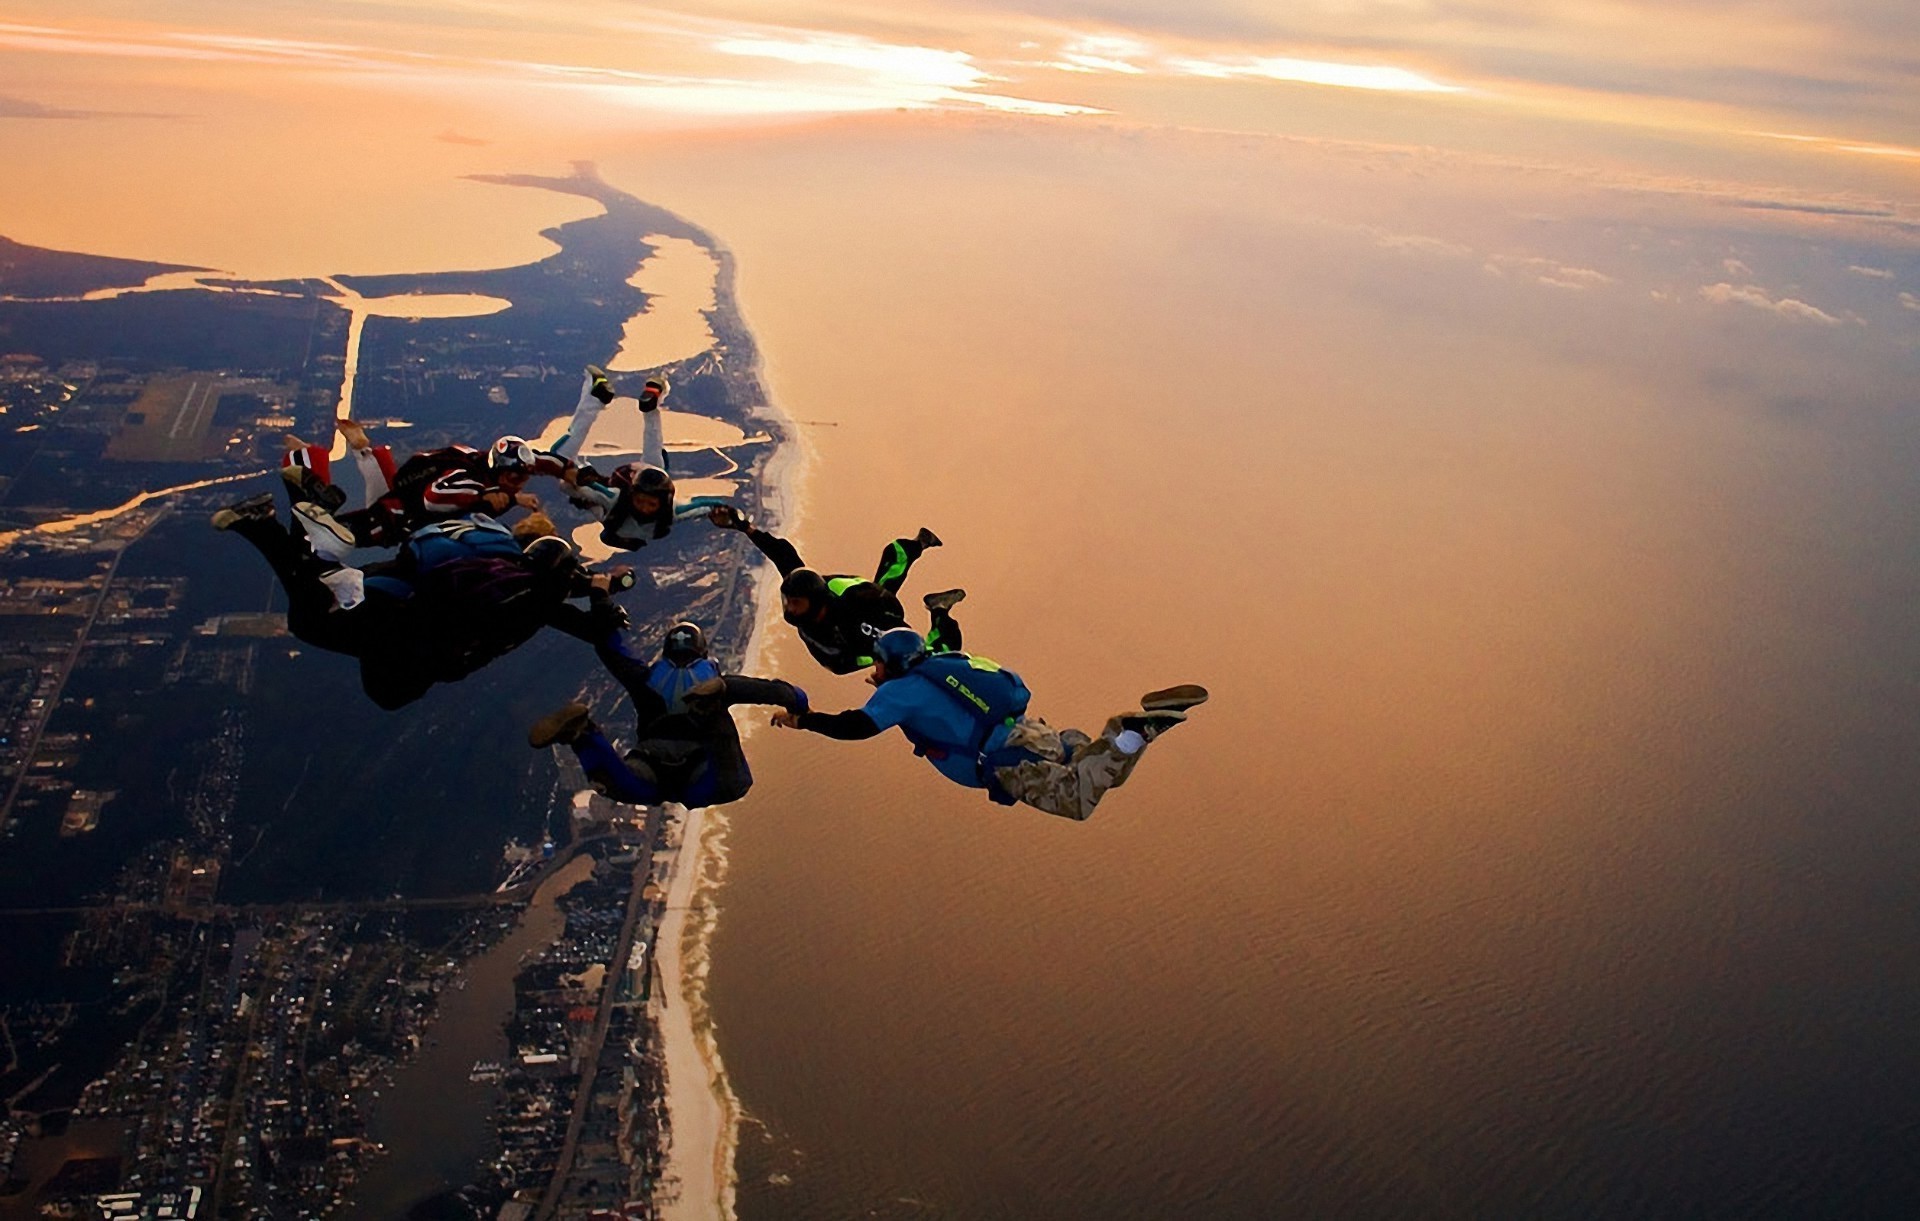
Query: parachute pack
[(992, 694)]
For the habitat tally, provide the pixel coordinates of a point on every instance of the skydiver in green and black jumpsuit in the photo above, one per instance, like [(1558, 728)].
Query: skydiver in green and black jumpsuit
[(839, 617)]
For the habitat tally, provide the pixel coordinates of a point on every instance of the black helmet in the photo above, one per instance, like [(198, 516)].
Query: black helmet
[(653, 481), (805, 583), (634, 477), (899, 649), (549, 555), (684, 644), (510, 453)]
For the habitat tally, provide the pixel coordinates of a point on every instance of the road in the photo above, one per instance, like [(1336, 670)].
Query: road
[(590, 1059), (66, 672)]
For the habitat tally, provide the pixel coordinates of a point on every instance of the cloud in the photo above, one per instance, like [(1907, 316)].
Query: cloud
[(453, 137), (1418, 243), (1102, 53), (1909, 301), (21, 108), (817, 73), (1734, 267), (1313, 72), (1550, 272), (1872, 273), (870, 74), (1814, 209), (1752, 295)]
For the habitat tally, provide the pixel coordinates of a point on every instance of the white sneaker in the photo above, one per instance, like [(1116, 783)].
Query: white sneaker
[(349, 586), (329, 539)]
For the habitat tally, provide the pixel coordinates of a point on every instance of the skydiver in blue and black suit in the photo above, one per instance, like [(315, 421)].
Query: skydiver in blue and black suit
[(686, 746), (455, 597)]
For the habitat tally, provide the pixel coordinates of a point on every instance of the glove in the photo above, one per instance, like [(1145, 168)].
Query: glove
[(610, 618), (728, 518)]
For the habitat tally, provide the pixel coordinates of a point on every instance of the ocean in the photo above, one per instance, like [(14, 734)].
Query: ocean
[(1544, 849)]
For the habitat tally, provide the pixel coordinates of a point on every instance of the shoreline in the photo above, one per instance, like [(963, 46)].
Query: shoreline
[(703, 1112)]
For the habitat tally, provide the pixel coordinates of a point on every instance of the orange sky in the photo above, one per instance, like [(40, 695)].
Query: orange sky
[(239, 124)]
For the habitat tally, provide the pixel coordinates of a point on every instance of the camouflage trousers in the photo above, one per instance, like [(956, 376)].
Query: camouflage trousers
[(1073, 771)]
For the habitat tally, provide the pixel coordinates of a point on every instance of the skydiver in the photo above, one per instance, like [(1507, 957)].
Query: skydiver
[(839, 617), (436, 485), (686, 747), (455, 596), (967, 717), (635, 503)]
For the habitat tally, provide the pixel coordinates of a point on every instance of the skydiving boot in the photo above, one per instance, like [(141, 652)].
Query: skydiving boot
[(329, 539), (946, 599), (926, 538), (598, 385), (253, 508), (1174, 699), (1144, 728), (652, 393), (562, 727), (305, 487)]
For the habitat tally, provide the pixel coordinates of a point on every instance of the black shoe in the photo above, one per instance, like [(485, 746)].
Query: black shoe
[(652, 393), (601, 388), (946, 599), (305, 487), (563, 727), (253, 508), (926, 538), (1174, 699)]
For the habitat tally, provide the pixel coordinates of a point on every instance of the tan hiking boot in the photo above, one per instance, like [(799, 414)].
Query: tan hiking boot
[(1174, 699), (564, 727)]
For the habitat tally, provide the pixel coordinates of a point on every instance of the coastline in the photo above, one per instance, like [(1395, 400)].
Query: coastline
[(703, 1112)]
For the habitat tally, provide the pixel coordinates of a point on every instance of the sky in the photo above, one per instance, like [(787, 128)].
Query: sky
[(239, 122), (1833, 76)]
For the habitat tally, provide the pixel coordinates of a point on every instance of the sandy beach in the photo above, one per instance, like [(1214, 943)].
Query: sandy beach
[(703, 1112)]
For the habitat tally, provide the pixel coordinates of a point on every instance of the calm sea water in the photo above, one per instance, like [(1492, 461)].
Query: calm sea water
[(1547, 847)]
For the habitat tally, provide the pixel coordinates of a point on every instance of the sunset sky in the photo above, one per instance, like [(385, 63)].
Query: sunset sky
[(1840, 74), (1812, 83)]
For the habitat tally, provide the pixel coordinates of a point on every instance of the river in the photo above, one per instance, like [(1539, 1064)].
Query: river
[(432, 1120)]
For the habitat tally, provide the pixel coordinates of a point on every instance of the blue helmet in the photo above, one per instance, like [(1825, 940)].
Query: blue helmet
[(898, 650)]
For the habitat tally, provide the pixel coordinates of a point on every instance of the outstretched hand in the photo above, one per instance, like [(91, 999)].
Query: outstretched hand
[(786, 720), (728, 518), (614, 580)]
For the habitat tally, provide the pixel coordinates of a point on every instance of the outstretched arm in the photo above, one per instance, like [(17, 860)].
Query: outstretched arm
[(739, 689), (779, 550), (853, 725)]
